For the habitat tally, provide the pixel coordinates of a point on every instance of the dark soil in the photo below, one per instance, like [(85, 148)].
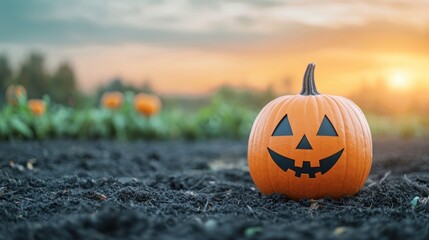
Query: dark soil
[(196, 190)]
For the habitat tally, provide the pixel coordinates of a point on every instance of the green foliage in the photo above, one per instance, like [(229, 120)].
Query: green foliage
[(222, 119), (216, 120), (399, 126), (15, 120)]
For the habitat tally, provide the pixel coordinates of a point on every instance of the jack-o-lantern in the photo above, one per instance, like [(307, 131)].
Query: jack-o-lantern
[(310, 145)]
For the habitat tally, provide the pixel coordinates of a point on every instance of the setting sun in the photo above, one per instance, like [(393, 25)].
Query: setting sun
[(400, 80)]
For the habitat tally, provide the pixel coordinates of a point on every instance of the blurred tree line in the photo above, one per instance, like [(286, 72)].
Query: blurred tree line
[(60, 85), (32, 74)]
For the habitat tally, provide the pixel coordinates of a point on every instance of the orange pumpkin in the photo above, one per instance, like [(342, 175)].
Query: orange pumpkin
[(310, 145), (112, 100), (14, 92), (37, 106), (147, 104)]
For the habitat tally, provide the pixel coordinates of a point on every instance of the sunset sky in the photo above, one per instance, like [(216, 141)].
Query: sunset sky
[(193, 46)]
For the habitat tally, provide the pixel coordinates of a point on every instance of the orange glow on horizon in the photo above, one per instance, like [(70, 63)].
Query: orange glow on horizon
[(194, 72), (345, 58)]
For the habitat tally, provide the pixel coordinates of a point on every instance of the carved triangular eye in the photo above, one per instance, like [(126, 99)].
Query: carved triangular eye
[(326, 128), (283, 128)]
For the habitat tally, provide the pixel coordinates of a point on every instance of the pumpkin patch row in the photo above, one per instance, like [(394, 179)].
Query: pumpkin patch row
[(120, 117), (146, 104)]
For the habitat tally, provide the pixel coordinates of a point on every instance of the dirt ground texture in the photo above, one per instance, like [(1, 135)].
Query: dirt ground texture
[(67, 189)]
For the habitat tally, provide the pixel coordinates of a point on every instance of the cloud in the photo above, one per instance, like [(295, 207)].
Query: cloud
[(211, 15), (191, 21)]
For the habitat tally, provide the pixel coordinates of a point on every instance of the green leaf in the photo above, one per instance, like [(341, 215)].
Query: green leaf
[(119, 124), (21, 127)]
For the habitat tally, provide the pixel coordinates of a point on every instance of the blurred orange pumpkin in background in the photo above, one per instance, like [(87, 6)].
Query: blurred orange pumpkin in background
[(112, 100), (37, 106), (147, 104), (14, 92)]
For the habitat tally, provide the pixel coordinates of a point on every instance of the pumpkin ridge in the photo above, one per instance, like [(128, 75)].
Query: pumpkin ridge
[(334, 104), (358, 173), (363, 143), (354, 110), (257, 122), (371, 153), (262, 152), (365, 155), (362, 170)]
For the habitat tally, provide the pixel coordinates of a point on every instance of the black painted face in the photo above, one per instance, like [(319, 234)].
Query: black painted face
[(284, 129)]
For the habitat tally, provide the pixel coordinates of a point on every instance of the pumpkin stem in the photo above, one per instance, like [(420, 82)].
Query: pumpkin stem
[(308, 85)]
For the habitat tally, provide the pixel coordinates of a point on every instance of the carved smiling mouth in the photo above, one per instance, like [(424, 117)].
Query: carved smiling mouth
[(286, 163)]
